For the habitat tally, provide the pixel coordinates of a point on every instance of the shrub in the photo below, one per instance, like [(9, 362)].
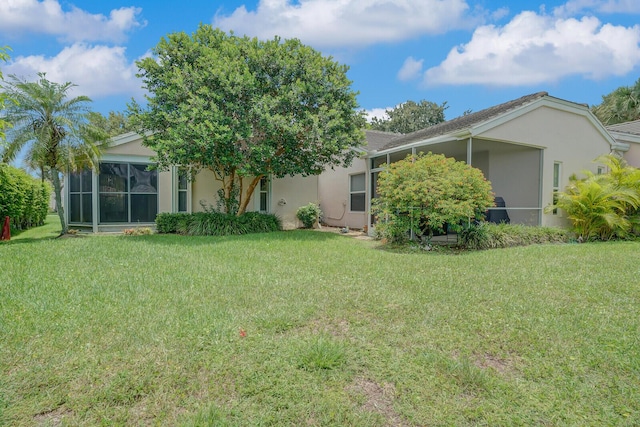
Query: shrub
[(491, 236), (475, 236), (23, 198), (217, 223), (309, 214), (168, 222), (427, 193)]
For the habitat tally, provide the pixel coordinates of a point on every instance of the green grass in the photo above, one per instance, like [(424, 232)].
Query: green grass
[(148, 330), (49, 230)]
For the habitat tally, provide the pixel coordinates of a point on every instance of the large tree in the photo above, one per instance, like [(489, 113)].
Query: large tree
[(4, 56), (410, 117), (246, 109), (621, 105), (52, 130), (116, 123)]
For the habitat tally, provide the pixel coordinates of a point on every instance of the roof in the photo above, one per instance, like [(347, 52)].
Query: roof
[(377, 139), (463, 122), (632, 128)]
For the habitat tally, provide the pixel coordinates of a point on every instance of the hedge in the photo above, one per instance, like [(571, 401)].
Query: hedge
[(216, 224), (23, 198)]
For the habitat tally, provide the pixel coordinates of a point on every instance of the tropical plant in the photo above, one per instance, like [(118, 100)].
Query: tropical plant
[(245, 109), (4, 56), (621, 105), (426, 193), (410, 116), (597, 206), (53, 128)]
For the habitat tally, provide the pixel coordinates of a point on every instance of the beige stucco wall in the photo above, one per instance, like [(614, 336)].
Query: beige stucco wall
[(133, 148), (333, 189), (286, 196), (633, 155), (290, 193), (566, 137)]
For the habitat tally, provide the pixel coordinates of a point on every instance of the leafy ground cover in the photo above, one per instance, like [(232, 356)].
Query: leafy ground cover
[(309, 328)]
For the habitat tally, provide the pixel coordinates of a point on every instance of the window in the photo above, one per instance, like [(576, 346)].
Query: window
[(357, 193), (80, 197), (127, 193), (557, 178), (183, 185), (601, 170), (264, 194)]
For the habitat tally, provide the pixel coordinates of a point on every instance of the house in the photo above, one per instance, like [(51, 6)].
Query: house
[(527, 148), (125, 193), (627, 135)]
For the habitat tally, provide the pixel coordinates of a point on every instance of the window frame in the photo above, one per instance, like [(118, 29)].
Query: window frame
[(556, 184), (358, 192), (127, 193), (81, 192)]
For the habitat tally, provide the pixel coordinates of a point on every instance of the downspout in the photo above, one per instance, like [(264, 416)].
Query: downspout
[(469, 150)]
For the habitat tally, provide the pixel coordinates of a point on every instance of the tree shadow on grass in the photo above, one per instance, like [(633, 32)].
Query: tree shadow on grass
[(276, 236)]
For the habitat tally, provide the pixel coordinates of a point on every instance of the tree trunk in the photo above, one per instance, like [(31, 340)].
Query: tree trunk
[(247, 196), (55, 177)]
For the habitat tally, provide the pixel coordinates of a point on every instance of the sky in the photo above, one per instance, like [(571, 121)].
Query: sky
[(471, 54)]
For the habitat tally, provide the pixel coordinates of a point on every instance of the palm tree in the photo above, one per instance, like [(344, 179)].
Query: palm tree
[(621, 105), (53, 129)]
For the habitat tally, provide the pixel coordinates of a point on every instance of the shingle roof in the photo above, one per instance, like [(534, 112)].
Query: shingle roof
[(377, 139), (632, 128), (463, 122)]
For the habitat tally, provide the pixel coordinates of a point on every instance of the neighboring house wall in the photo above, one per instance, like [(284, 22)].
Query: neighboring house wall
[(633, 155), (334, 187)]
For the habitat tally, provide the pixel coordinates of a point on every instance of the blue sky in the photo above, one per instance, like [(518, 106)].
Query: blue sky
[(471, 54)]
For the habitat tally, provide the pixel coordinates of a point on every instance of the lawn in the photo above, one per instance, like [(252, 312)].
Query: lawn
[(308, 328)]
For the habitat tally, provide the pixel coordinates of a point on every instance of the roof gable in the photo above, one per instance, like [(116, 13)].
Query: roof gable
[(481, 121)]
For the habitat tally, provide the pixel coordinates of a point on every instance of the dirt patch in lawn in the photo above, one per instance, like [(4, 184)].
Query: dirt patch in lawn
[(378, 399)]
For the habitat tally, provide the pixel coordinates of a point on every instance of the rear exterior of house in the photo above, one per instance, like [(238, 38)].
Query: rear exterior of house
[(124, 193), (527, 148)]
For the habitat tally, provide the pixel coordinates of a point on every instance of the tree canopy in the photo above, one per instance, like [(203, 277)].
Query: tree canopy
[(53, 128), (410, 117), (621, 105), (4, 56), (116, 123), (245, 108)]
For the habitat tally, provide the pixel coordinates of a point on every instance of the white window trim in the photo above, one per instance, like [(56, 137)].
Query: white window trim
[(363, 191), (556, 188), (256, 196), (175, 179)]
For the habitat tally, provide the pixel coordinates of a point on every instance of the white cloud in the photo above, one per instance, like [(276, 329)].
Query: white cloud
[(97, 71), (347, 22), (48, 17), (536, 48), (574, 7), (411, 69), (379, 113)]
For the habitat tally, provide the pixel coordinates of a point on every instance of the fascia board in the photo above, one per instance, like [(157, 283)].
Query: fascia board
[(421, 143), (623, 137)]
